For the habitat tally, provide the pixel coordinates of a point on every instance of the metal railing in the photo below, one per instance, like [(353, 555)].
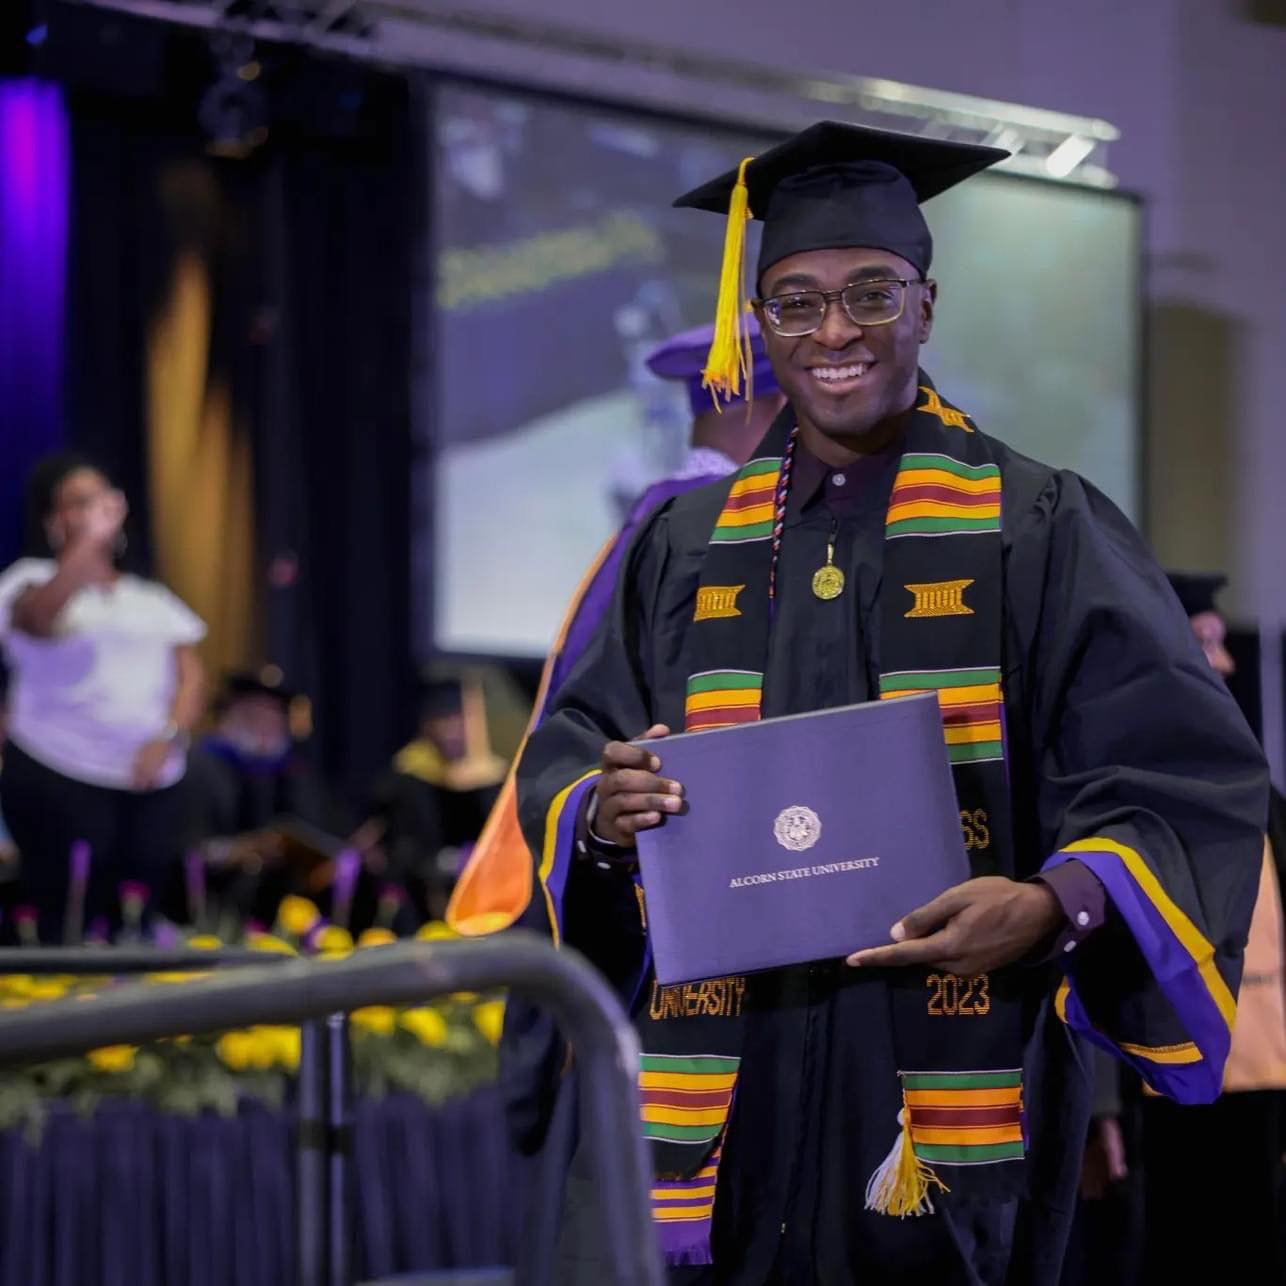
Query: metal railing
[(275, 990)]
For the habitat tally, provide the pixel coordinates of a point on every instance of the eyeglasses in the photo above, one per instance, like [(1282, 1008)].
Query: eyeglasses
[(874, 302)]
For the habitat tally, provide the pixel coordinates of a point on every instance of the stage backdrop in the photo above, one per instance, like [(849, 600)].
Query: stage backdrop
[(559, 263)]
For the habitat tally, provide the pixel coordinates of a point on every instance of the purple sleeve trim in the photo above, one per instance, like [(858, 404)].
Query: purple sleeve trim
[(1195, 1080), (569, 818)]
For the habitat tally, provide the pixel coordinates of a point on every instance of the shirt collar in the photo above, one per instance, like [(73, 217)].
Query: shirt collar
[(812, 479)]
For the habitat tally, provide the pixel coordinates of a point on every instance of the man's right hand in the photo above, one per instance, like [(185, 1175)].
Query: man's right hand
[(632, 797)]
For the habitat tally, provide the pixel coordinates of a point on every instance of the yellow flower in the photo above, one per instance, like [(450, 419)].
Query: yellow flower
[(267, 942), (381, 1020), (177, 976), (46, 989), (435, 931), (205, 942), (426, 1025), (374, 937), (17, 984), (297, 915), (236, 1050), (113, 1058), (284, 1044), (262, 1048), (334, 942), (489, 1017)]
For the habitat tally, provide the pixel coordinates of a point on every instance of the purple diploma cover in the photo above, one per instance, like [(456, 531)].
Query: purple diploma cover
[(804, 838)]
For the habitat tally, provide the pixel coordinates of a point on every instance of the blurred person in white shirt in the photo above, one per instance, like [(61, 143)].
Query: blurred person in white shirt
[(105, 688)]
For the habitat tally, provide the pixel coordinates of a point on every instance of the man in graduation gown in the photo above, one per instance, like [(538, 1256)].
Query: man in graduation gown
[(1112, 798)]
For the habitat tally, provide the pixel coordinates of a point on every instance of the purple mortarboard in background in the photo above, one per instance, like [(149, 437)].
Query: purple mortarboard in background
[(683, 356)]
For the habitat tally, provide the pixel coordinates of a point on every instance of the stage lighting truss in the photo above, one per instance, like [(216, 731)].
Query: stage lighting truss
[(435, 36)]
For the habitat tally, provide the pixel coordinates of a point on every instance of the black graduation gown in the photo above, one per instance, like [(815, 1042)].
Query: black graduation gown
[(1114, 719)]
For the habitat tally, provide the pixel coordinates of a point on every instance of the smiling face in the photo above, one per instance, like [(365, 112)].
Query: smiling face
[(848, 383)]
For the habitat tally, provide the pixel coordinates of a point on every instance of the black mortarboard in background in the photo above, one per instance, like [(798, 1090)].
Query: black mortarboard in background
[(440, 697), (267, 682), (831, 187), (1197, 590)]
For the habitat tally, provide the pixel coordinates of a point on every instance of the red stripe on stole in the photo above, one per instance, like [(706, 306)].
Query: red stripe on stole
[(686, 1098), (982, 712), (905, 494), (721, 718), (966, 1117), (749, 499)]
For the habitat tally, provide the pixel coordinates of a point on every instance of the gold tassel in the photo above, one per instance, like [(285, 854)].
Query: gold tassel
[(900, 1185), (729, 359)]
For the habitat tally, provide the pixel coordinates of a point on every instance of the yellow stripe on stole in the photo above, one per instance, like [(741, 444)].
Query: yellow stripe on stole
[(965, 734), (941, 478), (756, 482), (725, 700), (938, 509), (550, 853), (686, 1081), (964, 1098), (966, 1136), (658, 1115), (746, 517), (1193, 941), (976, 695)]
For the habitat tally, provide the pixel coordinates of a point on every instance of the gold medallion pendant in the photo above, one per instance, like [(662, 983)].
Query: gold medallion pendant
[(828, 581)]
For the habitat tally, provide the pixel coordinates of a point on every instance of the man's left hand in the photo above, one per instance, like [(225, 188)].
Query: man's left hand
[(972, 928)]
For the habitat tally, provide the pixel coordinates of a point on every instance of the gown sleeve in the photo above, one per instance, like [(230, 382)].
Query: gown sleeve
[(1146, 773), (607, 696)]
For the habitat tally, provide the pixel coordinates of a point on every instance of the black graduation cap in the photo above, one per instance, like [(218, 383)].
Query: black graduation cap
[(833, 186), (267, 682), (440, 697), (1197, 590)]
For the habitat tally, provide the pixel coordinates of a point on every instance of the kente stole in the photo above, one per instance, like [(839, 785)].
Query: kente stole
[(960, 1129)]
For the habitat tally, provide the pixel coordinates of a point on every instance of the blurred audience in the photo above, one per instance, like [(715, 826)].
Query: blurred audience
[(435, 799), (105, 688), (258, 808)]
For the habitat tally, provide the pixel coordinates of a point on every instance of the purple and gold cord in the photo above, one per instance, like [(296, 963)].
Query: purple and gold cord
[(779, 514)]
